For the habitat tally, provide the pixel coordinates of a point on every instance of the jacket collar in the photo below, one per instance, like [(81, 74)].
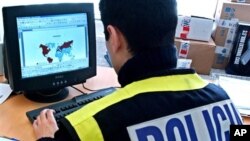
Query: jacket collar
[(149, 63)]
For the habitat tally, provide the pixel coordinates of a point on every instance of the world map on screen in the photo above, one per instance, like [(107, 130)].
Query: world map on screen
[(65, 49)]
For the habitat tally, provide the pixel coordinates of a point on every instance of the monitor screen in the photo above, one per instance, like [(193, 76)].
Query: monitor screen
[(49, 47), (59, 43)]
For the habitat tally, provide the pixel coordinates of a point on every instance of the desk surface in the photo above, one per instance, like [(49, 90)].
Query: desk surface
[(13, 120)]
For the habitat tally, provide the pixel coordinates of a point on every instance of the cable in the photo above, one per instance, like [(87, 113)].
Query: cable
[(78, 90), (88, 88), (97, 89)]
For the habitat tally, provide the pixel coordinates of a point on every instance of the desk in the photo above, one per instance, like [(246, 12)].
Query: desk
[(13, 120)]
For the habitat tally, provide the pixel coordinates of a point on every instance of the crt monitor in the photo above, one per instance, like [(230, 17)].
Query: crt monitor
[(48, 47)]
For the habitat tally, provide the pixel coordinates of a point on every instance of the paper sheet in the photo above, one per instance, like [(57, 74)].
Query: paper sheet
[(7, 139), (5, 92), (239, 92)]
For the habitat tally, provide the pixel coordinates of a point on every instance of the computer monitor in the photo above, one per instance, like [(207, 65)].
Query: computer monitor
[(49, 47)]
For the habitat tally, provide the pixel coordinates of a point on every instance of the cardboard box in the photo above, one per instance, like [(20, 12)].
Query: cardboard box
[(239, 63), (230, 10), (221, 58), (201, 54), (241, 1), (227, 18), (195, 28)]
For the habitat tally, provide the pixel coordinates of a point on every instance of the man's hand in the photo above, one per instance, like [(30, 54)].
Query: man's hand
[(45, 124)]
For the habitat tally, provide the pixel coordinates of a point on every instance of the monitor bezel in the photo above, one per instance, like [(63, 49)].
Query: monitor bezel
[(52, 81)]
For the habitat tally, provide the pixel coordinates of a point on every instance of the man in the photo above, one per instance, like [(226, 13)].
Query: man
[(157, 101)]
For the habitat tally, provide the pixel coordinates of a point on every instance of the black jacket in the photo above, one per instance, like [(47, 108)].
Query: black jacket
[(151, 106)]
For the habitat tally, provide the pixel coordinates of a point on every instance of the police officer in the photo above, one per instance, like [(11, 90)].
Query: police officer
[(157, 101)]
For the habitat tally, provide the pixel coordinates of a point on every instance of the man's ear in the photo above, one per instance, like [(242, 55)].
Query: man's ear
[(114, 38)]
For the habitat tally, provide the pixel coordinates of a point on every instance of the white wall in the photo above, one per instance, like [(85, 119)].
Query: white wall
[(203, 8), (26, 2)]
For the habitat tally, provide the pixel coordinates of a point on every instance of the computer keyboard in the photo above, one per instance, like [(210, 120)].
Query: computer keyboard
[(64, 108)]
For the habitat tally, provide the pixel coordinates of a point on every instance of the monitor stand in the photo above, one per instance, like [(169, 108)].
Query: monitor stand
[(47, 96)]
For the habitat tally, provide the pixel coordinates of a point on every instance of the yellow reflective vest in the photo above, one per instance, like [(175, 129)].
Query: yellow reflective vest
[(154, 107)]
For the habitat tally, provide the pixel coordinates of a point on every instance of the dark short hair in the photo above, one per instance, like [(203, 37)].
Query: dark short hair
[(144, 23)]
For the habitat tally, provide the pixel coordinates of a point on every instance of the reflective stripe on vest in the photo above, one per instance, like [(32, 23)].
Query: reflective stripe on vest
[(86, 126)]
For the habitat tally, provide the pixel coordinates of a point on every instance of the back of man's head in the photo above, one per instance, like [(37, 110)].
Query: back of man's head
[(144, 23)]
